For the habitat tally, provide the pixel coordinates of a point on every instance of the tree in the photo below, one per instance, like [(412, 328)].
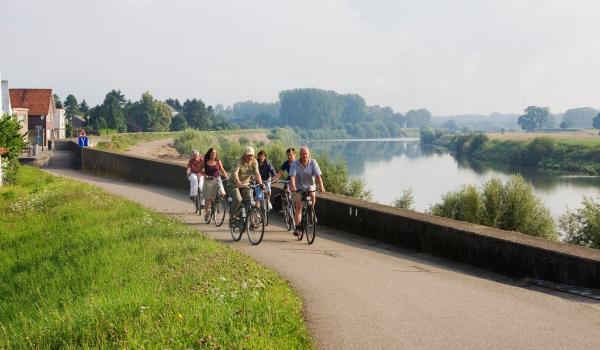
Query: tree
[(196, 114), (111, 111), (84, 108), (57, 102), (71, 106), (563, 125), (149, 114), (450, 125), (534, 118), (179, 123), (579, 117), (596, 121), (175, 104), (418, 118)]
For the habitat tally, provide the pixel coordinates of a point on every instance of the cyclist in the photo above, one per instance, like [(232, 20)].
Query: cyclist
[(194, 174), (213, 170), (285, 166), (267, 172), (246, 167), (302, 178)]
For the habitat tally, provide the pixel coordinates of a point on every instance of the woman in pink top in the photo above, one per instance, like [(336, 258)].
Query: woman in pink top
[(213, 170)]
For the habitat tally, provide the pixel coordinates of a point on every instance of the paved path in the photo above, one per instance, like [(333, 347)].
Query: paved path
[(360, 294)]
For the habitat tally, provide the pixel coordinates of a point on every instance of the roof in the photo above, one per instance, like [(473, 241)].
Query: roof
[(3, 151), (38, 101)]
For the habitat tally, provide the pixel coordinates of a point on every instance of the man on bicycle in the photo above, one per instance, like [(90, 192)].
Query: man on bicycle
[(194, 174), (285, 166), (246, 168), (302, 178)]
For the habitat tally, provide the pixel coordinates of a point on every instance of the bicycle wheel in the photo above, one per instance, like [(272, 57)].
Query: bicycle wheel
[(310, 225), (219, 209), (289, 215), (208, 214), (265, 209), (197, 203), (236, 226), (255, 227)]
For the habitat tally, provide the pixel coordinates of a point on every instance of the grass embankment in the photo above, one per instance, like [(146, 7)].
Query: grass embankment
[(561, 155), (122, 142), (84, 269)]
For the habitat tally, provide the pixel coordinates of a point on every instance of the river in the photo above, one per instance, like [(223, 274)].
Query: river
[(390, 166)]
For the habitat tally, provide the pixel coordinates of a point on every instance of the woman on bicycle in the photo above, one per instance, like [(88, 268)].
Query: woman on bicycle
[(194, 174), (213, 170), (246, 168), (302, 178), (267, 172)]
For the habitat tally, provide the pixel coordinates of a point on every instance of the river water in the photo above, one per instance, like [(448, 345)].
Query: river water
[(390, 166)]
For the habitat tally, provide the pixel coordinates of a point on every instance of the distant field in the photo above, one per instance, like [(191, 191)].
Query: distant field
[(587, 135)]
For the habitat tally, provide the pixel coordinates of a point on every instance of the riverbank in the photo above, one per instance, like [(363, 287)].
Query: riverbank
[(569, 156), (82, 268)]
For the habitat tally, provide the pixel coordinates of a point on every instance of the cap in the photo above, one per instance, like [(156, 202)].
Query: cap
[(249, 151)]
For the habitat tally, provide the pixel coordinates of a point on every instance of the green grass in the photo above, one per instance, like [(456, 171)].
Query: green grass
[(80, 268)]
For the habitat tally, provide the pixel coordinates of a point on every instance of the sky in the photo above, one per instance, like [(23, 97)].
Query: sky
[(449, 56)]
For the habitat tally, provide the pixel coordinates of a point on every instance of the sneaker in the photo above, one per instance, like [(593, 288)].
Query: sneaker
[(207, 215), (296, 232), (269, 205), (193, 198)]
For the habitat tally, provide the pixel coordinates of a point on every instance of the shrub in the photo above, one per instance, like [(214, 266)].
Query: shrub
[(510, 206), (464, 205), (582, 226), (11, 139), (406, 200)]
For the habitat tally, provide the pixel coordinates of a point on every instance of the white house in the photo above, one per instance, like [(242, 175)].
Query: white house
[(4, 95), (59, 124)]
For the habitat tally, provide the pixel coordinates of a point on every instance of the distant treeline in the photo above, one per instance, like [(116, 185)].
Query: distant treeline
[(146, 114), (326, 112), (570, 157), (535, 118)]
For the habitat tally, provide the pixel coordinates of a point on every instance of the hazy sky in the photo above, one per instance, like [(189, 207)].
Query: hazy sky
[(450, 56)]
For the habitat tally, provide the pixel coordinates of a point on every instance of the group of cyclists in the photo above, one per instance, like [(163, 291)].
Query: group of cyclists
[(207, 174)]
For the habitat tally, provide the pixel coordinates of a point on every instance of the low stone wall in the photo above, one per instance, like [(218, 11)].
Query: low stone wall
[(132, 168), (504, 252)]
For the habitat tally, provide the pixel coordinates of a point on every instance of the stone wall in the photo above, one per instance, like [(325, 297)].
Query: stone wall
[(134, 168)]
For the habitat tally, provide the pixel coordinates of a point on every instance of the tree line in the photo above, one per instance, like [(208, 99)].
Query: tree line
[(146, 114)]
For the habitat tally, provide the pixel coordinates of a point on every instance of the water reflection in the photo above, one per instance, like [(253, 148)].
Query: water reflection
[(393, 165)]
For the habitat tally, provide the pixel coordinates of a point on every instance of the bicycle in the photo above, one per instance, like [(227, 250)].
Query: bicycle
[(264, 200), (308, 222), (287, 205), (249, 218), (198, 199), (219, 206)]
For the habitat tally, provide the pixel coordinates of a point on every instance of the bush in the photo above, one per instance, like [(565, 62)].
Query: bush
[(406, 200), (193, 139), (582, 226), (510, 206), (11, 139)]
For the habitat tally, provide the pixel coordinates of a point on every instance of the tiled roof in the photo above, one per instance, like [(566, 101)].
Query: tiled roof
[(36, 100), (3, 151)]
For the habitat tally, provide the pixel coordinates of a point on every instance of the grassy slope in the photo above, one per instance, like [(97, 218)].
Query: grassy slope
[(80, 268)]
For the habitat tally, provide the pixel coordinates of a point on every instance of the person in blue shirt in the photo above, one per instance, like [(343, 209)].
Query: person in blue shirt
[(267, 173), (285, 166)]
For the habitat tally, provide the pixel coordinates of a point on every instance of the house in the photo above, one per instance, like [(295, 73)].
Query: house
[(77, 123), (59, 124), (22, 117), (5, 105), (40, 103)]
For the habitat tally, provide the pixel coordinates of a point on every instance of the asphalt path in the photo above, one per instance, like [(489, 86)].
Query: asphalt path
[(361, 294)]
